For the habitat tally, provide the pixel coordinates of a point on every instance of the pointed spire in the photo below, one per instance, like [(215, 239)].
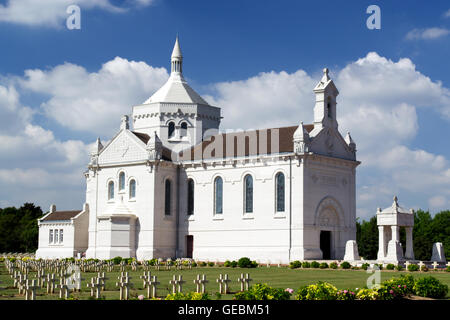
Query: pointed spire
[(154, 147), (176, 52), (176, 58), (301, 139)]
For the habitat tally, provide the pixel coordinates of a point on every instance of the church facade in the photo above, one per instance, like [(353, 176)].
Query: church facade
[(174, 186)]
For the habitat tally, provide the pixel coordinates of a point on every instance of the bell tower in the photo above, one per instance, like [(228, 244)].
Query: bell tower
[(179, 115), (325, 107)]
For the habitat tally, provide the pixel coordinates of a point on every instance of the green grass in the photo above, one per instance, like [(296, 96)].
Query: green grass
[(274, 276)]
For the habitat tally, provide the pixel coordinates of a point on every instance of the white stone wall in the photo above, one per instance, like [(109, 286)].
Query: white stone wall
[(261, 235), (55, 250)]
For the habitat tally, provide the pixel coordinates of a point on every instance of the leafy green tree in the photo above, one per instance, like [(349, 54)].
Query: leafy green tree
[(19, 229), (422, 235), (367, 238)]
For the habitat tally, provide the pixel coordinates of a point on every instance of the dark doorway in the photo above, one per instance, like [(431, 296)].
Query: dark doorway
[(189, 246), (325, 244)]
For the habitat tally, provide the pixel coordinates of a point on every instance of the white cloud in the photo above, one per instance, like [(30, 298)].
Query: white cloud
[(447, 14), (52, 13), (377, 103), (95, 101), (427, 34)]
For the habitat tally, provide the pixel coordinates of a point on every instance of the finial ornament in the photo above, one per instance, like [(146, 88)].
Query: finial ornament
[(325, 71)]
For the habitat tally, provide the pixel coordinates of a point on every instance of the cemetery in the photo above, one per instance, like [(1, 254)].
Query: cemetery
[(25, 278)]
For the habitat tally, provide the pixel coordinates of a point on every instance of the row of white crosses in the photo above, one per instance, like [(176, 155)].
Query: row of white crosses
[(124, 285)]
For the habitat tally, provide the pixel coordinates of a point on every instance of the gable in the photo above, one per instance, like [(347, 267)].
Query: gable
[(125, 147), (329, 142)]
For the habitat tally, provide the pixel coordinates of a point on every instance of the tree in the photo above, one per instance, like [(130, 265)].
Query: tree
[(19, 229), (367, 238)]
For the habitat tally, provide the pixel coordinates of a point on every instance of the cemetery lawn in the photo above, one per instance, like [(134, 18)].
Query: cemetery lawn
[(276, 277)]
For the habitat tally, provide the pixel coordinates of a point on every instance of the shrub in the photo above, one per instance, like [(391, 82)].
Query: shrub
[(399, 267), (413, 267), (320, 291), (333, 265), (234, 264), (323, 265), (447, 269), (315, 264), (367, 294), (390, 266), (245, 262), (402, 286), (295, 264), (430, 287), (210, 264), (424, 268), (306, 264), (194, 264), (346, 294), (365, 266), (202, 264), (188, 296), (263, 292), (117, 260), (227, 264), (345, 265)]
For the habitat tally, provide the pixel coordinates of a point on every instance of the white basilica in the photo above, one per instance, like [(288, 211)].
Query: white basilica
[(174, 186)]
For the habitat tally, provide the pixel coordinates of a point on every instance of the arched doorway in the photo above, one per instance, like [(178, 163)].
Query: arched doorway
[(328, 221)]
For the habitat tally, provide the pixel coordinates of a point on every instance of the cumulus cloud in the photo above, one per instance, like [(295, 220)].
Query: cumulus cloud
[(95, 101), (378, 103), (427, 34), (52, 13)]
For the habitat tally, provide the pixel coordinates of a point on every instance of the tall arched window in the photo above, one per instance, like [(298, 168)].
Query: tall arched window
[(279, 180), (167, 197), (183, 129), (132, 188), (121, 181), (110, 190), (190, 207), (218, 195), (248, 193), (171, 131)]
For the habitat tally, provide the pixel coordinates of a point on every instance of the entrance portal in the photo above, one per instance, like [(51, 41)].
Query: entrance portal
[(325, 244), (189, 246)]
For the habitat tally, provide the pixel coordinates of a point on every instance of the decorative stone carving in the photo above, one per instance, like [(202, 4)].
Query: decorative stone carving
[(154, 147), (301, 139)]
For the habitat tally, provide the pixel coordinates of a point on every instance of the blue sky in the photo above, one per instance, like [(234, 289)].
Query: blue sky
[(60, 88)]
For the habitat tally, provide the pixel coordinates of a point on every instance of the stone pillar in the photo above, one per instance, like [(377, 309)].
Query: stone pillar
[(409, 253), (381, 243), (395, 233)]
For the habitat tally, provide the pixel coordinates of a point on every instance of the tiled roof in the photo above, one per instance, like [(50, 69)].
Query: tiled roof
[(62, 215), (263, 144)]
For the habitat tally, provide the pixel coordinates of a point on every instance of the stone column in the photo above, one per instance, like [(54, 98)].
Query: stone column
[(409, 252), (381, 243), (395, 233)]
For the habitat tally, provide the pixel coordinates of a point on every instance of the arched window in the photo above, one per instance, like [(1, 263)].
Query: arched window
[(110, 190), (132, 188), (183, 129), (121, 181), (248, 193), (167, 198), (218, 195), (190, 207), (279, 180), (171, 131)]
